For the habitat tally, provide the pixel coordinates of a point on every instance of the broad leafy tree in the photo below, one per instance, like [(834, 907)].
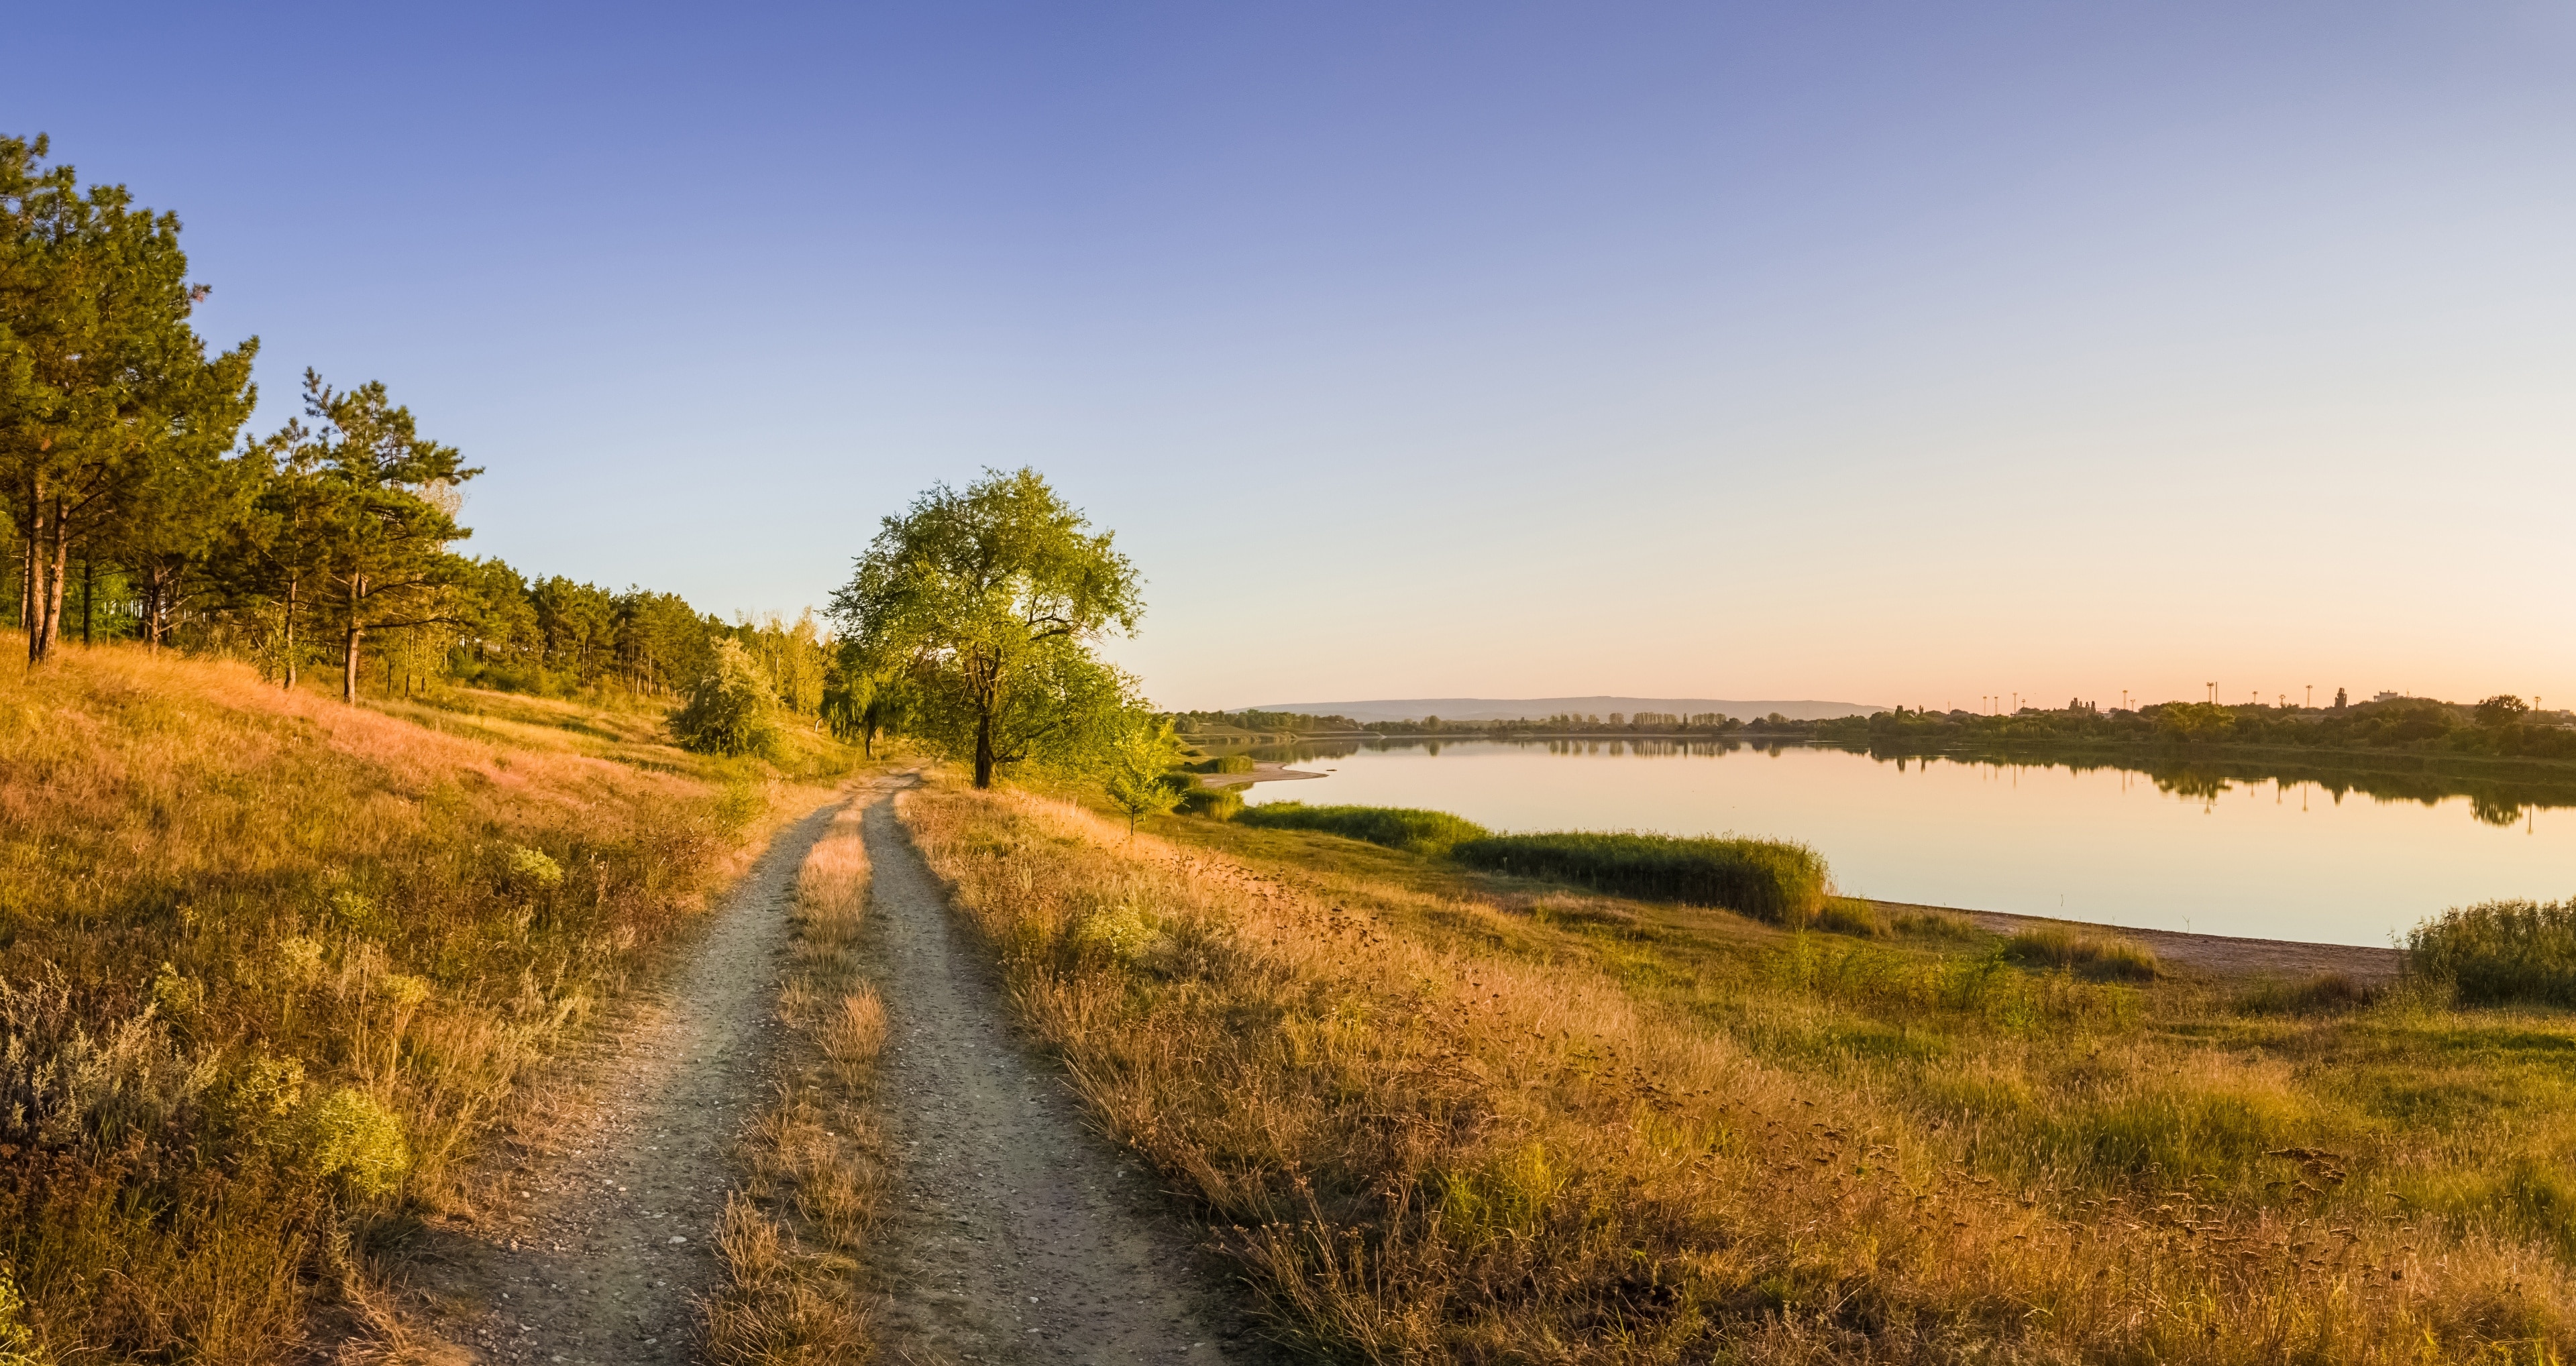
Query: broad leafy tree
[(988, 603)]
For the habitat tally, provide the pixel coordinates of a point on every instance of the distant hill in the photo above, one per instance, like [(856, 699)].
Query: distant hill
[(1532, 708)]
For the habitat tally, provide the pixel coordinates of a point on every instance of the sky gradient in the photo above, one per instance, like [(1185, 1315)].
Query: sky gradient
[(1877, 352)]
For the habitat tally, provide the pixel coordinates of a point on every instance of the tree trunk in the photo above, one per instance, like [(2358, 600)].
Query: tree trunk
[(59, 564), (349, 666), (89, 594), (984, 749), (286, 660)]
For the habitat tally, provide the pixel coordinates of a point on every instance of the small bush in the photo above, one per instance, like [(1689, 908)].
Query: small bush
[(1396, 827), (1224, 763), (1770, 880), (732, 710), (1215, 803), (533, 870), (17, 1341), (353, 1138), (2092, 955)]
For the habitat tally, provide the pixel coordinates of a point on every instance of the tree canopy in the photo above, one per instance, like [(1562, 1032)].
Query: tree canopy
[(986, 604)]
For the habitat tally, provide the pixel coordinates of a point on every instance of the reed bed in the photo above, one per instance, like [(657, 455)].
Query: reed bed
[(794, 1232), (1431, 1129), (1396, 827), (1774, 880), (2498, 951), (269, 968)]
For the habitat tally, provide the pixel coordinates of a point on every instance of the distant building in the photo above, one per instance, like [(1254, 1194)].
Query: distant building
[(2386, 697)]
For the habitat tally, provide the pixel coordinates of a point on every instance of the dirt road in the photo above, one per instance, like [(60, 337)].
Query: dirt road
[(597, 1248), (1015, 1233)]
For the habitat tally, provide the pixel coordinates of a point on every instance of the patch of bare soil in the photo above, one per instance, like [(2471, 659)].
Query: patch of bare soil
[(597, 1246), (1015, 1233)]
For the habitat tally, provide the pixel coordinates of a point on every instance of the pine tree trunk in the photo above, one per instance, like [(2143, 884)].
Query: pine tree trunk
[(349, 667), (59, 564)]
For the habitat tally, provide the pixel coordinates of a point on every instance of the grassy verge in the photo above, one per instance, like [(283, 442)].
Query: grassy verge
[(1438, 1117), (792, 1236), (271, 966)]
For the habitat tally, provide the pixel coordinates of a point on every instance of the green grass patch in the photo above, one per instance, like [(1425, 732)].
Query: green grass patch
[(1396, 827), (1772, 880)]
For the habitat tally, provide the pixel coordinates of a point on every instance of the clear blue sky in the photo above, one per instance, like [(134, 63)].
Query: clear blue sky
[(1884, 352)]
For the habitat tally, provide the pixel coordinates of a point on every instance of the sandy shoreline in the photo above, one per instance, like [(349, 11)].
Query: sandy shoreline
[(2216, 953), (1262, 772)]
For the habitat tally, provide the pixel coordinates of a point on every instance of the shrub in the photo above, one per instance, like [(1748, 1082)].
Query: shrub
[(534, 870), (732, 710), (2093, 955), (2499, 951), (1396, 827), (1224, 763), (1772, 880), (17, 1341), (353, 1138)]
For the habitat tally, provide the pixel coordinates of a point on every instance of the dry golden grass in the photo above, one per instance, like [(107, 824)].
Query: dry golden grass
[(1433, 1127), (792, 1236), (270, 966)]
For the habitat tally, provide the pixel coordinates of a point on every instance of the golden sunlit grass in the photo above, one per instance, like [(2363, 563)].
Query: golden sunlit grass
[(793, 1235), (1438, 1118), (270, 965)]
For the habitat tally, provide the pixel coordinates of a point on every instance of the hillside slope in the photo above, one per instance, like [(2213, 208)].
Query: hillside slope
[(270, 964)]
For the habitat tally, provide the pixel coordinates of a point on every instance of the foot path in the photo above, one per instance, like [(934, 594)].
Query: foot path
[(596, 1251), (1014, 1233)]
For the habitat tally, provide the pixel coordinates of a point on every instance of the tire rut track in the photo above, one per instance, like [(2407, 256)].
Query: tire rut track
[(597, 1251), (1015, 1234)]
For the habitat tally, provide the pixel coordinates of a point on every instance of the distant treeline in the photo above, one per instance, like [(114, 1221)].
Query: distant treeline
[(1569, 723), (2502, 726), (137, 509)]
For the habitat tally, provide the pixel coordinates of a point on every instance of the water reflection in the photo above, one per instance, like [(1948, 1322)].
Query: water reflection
[(2383, 778), (2348, 853)]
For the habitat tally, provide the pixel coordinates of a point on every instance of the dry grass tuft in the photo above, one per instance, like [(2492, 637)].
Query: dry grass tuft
[(2084, 951), (271, 966), (1430, 1129), (792, 1237)]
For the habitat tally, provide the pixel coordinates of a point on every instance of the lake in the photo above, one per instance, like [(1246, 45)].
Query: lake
[(2289, 855)]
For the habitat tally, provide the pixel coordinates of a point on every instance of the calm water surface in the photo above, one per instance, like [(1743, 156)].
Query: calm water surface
[(2274, 858)]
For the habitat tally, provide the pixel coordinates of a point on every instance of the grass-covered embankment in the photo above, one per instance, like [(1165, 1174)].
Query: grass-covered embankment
[(1440, 1116), (271, 965)]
